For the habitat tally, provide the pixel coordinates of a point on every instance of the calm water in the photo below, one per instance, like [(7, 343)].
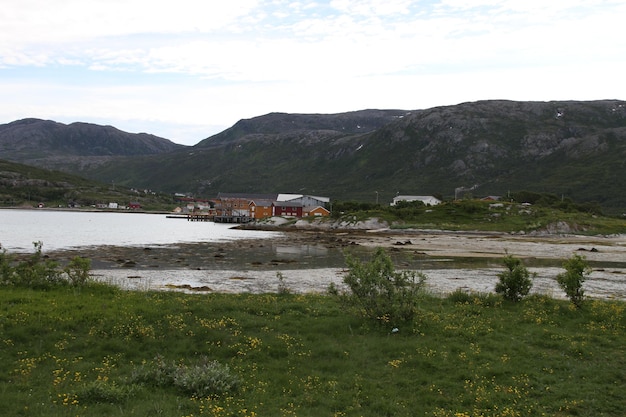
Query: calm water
[(74, 229)]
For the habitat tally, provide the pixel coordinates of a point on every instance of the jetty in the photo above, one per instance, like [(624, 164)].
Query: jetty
[(200, 217), (206, 217), (232, 219)]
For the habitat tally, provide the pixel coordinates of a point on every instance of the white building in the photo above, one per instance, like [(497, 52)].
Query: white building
[(306, 200)]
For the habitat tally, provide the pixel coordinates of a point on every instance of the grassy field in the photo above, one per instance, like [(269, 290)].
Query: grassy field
[(79, 351), (466, 215)]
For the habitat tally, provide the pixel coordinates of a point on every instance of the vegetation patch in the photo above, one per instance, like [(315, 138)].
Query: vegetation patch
[(545, 215), (291, 354), (101, 351), (39, 272), (204, 378), (515, 282)]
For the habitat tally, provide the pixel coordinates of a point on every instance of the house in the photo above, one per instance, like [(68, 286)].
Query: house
[(258, 206), (238, 204), (134, 205), (260, 209), (203, 205), (287, 209), (317, 211), (428, 200)]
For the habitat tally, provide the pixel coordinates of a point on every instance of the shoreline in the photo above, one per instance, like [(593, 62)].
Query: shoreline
[(451, 260)]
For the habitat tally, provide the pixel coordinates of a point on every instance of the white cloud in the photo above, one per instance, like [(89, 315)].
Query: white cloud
[(372, 8), (197, 63), (29, 21)]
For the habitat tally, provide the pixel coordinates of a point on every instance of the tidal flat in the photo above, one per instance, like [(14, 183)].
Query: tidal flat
[(309, 261)]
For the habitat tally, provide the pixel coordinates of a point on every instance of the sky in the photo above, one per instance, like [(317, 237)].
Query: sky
[(188, 69)]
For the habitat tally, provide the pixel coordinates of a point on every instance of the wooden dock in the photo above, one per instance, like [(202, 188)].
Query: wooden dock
[(199, 217), (232, 219), (205, 217)]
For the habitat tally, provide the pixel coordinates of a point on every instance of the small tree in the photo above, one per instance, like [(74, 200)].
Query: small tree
[(380, 291), (515, 282), (37, 271), (571, 281), (77, 271)]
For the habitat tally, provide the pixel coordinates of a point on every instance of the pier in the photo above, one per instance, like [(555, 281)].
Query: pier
[(205, 217), (200, 217), (232, 219)]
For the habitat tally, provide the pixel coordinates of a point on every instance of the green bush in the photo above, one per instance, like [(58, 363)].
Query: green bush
[(203, 379), (515, 282), (38, 272), (381, 292), (571, 281), (78, 271)]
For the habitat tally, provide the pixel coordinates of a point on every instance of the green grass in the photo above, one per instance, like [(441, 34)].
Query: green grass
[(73, 352), (466, 215)]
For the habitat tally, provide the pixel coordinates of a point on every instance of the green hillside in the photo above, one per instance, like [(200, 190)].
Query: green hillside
[(574, 149), (28, 186)]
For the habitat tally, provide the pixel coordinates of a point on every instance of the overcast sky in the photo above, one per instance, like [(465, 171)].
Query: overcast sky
[(188, 69)]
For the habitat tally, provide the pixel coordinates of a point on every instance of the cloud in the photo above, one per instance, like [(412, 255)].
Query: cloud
[(372, 8), (197, 63), (340, 39), (32, 21)]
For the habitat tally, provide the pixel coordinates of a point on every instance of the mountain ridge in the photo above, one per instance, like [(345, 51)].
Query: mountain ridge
[(572, 148), (54, 145), (329, 125)]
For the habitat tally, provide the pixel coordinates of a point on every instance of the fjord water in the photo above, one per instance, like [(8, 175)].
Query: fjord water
[(76, 229)]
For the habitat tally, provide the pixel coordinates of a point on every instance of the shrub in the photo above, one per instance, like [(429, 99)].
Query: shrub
[(203, 379), (515, 282), (380, 291), (78, 271), (571, 281), (38, 272)]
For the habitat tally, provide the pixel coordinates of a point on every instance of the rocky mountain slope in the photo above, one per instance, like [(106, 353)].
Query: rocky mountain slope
[(312, 127), (572, 149), (54, 145)]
